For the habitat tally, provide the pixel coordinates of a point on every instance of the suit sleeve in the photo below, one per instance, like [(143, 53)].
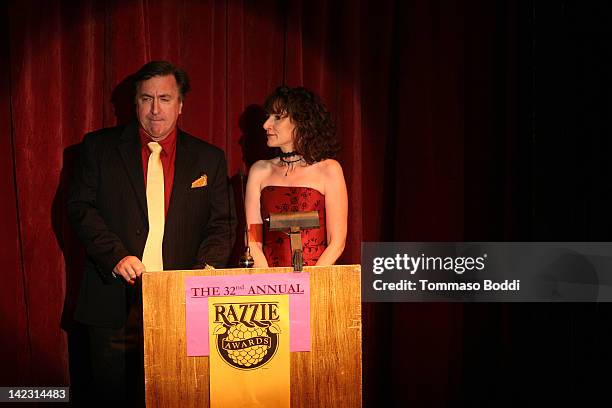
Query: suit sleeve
[(102, 246), (219, 234)]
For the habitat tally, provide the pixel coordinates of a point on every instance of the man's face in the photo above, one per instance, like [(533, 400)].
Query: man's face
[(158, 106)]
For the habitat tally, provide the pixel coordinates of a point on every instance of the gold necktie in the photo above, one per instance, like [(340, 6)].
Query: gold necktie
[(152, 256)]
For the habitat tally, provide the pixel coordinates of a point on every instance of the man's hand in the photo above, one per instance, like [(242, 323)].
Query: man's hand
[(129, 268)]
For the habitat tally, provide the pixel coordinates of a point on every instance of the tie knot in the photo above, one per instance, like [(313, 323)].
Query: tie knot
[(154, 147)]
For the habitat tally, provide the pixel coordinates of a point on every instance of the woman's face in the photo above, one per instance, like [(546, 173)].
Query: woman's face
[(279, 129)]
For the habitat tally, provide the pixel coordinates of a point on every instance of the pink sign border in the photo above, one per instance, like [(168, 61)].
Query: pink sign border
[(196, 309)]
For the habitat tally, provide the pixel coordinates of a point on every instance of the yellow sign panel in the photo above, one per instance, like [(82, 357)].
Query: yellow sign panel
[(249, 351)]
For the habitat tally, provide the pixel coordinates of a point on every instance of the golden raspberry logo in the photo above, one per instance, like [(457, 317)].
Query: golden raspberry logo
[(247, 336)]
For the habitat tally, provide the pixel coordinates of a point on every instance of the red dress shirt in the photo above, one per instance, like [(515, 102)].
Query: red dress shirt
[(168, 156)]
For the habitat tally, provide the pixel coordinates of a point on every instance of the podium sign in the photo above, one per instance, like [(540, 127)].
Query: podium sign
[(198, 289), (328, 375), (249, 354)]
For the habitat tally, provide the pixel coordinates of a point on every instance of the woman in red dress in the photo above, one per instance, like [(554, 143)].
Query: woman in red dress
[(304, 177)]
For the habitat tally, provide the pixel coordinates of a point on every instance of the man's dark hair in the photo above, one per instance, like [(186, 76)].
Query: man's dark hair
[(162, 68)]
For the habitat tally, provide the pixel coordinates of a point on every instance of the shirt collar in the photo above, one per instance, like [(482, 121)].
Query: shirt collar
[(168, 144)]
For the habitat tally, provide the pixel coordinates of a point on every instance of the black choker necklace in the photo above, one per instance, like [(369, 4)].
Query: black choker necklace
[(284, 155), (289, 163)]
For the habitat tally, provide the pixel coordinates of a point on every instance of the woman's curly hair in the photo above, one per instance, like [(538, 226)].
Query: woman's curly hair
[(315, 133)]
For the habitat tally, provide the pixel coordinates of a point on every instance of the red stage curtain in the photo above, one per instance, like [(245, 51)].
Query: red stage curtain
[(414, 87)]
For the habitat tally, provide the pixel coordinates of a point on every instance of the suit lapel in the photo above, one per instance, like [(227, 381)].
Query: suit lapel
[(183, 174), (129, 148)]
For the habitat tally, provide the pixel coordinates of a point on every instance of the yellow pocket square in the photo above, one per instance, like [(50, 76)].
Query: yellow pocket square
[(200, 181)]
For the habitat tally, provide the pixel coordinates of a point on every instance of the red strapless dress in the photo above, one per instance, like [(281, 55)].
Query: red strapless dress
[(276, 244)]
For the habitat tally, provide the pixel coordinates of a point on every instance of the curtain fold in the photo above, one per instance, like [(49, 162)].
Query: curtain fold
[(13, 319), (417, 91)]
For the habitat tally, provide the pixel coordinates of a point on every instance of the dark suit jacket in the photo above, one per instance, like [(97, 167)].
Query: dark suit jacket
[(108, 208)]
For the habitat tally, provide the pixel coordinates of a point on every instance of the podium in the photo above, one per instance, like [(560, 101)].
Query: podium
[(327, 376)]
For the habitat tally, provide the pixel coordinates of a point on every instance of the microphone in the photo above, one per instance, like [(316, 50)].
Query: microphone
[(294, 222), (246, 260)]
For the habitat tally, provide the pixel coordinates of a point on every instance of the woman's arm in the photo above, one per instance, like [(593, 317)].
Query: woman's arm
[(336, 212), (253, 213)]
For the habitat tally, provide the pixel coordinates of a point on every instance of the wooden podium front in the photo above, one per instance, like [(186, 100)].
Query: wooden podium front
[(327, 376)]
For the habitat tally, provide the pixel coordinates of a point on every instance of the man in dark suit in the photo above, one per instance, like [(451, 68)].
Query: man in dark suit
[(112, 207)]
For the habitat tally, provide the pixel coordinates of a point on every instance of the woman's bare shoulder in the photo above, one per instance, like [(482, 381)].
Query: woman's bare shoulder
[(260, 168), (331, 167)]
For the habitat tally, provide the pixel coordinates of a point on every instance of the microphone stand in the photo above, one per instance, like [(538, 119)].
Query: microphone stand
[(246, 260), (294, 222)]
